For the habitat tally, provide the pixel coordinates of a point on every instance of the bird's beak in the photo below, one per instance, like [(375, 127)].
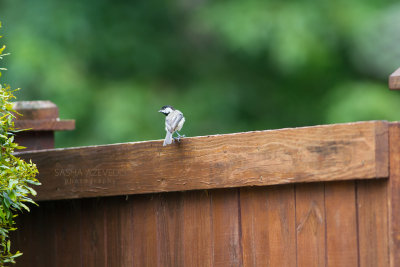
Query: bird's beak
[(160, 111)]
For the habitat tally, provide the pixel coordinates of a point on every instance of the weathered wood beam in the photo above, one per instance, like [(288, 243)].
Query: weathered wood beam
[(319, 153), (394, 80)]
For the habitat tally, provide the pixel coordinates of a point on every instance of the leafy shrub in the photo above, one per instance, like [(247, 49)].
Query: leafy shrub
[(16, 175)]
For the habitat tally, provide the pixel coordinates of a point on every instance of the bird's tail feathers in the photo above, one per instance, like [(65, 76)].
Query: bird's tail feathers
[(168, 139)]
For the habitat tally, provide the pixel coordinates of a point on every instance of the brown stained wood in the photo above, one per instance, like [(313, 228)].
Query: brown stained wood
[(310, 224), (93, 232), (281, 226), (67, 231), (197, 225), (35, 237), (320, 153), (373, 222), (36, 110), (255, 228), (394, 80), (170, 229), (119, 231), (35, 140), (394, 195), (341, 224), (227, 249), (45, 125), (268, 226), (145, 244)]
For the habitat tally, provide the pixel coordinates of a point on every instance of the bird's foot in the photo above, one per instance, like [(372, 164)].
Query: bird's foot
[(179, 137)]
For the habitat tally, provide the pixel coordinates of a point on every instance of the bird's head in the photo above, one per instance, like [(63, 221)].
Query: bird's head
[(166, 110)]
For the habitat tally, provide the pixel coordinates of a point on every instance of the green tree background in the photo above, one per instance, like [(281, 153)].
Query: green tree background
[(230, 66)]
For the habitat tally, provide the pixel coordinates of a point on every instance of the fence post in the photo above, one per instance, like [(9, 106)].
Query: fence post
[(394, 80), (41, 119)]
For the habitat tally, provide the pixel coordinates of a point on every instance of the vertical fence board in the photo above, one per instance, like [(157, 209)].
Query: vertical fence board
[(341, 224), (145, 230), (35, 237), (127, 245), (169, 229), (281, 225), (119, 229), (394, 194), (68, 233), (255, 228), (373, 223), (310, 224), (226, 236), (93, 234), (197, 225)]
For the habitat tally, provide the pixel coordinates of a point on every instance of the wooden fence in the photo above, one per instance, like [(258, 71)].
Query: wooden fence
[(314, 196)]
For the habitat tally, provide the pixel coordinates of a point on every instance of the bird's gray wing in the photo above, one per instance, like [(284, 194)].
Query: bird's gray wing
[(171, 122)]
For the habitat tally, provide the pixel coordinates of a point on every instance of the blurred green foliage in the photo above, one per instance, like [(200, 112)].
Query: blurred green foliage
[(16, 175), (228, 65)]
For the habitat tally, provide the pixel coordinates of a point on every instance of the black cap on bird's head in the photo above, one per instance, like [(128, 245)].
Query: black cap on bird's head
[(166, 109)]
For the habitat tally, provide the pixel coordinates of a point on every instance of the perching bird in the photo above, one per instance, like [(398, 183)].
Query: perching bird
[(173, 123)]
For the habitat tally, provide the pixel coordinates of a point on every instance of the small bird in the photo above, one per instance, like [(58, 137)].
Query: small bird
[(173, 123)]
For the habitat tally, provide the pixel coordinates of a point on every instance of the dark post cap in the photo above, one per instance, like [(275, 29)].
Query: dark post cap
[(40, 116)]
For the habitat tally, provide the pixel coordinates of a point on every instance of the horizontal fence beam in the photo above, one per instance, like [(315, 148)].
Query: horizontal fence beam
[(308, 154)]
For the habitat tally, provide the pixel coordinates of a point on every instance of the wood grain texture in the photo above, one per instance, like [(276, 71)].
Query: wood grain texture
[(227, 250), (170, 229), (93, 225), (35, 237), (145, 244), (45, 125), (255, 228), (197, 225), (372, 211), (320, 153), (35, 140), (394, 195), (310, 224), (68, 235), (119, 231), (35, 110), (394, 80), (341, 224), (281, 225), (268, 226)]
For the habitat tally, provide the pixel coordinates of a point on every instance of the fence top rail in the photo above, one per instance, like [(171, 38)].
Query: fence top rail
[(308, 154)]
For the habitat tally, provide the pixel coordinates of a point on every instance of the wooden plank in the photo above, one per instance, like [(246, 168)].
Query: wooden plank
[(281, 222), (119, 231), (394, 195), (170, 229), (341, 224), (310, 224), (268, 226), (320, 153), (93, 232), (197, 225), (67, 231), (35, 110), (145, 245), (45, 125), (35, 140), (394, 80), (226, 233), (373, 222), (255, 228), (35, 237)]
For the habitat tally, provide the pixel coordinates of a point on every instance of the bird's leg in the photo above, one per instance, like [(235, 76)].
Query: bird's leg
[(179, 136)]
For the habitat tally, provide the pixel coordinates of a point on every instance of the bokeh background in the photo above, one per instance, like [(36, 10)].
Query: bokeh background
[(230, 66)]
